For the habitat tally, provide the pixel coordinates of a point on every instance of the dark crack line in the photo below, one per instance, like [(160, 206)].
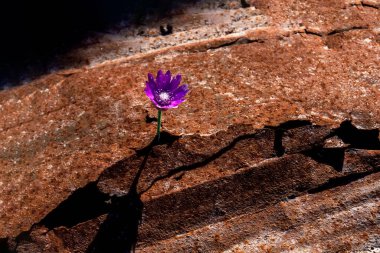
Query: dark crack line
[(341, 181), (341, 30), (371, 6), (131, 202), (239, 41), (245, 40), (313, 33), (367, 5), (201, 163), (333, 32), (331, 157)]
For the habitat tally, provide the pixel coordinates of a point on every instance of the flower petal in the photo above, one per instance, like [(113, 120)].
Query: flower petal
[(160, 80), (175, 103), (168, 76), (174, 83), (149, 91), (162, 85), (151, 78), (180, 92), (171, 105)]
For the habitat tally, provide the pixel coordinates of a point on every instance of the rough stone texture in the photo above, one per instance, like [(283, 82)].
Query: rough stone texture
[(357, 160), (282, 119), (303, 138), (223, 154), (251, 189), (337, 220)]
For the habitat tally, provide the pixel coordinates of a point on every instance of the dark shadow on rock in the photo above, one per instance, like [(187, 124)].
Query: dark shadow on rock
[(201, 163), (340, 181), (333, 157), (84, 204), (358, 138), (119, 232), (280, 130), (165, 138), (36, 35), (4, 247), (349, 134)]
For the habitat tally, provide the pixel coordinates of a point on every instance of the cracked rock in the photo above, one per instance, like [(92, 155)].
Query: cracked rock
[(276, 148)]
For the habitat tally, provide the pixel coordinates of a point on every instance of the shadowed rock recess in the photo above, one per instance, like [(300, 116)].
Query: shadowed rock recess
[(277, 148)]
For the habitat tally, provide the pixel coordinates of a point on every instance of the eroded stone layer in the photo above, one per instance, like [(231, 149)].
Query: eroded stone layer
[(286, 108)]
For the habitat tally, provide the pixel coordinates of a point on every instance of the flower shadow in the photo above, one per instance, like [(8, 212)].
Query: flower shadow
[(119, 232)]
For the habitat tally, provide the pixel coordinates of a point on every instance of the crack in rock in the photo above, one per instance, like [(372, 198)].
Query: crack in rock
[(239, 41), (347, 29), (340, 181), (297, 147)]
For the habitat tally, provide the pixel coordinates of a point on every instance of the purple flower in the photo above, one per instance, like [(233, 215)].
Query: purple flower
[(165, 91)]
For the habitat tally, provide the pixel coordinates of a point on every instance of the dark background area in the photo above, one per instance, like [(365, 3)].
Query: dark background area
[(36, 33)]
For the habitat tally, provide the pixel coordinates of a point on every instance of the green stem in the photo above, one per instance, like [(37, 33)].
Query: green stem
[(159, 125)]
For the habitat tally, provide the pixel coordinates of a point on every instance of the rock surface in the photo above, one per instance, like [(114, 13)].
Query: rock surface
[(275, 150)]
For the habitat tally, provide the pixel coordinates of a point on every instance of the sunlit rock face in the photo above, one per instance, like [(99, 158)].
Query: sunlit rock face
[(276, 148)]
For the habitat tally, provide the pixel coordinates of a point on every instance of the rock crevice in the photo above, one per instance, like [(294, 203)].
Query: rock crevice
[(275, 149), (124, 206)]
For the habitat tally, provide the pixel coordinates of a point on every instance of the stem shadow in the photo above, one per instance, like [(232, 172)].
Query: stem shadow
[(119, 232)]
